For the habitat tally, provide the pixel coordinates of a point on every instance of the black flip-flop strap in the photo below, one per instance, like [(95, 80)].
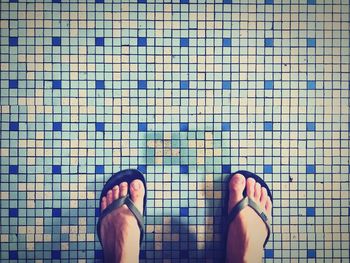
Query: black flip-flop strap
[(125, 200), (246, 201)]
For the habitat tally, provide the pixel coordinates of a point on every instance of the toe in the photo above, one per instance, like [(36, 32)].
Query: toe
[(237, 183), (263, 197), (109, 197), (236, 186), (103, 203), (123, 189), (250, 187), (116, 192), (268, 207), (137, 192), (257, 192)]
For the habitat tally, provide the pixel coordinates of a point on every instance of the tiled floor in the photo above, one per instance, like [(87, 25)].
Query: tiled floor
[(186, 92)]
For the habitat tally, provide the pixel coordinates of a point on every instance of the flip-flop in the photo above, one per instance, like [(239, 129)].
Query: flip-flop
[(247, 201), (119, 177)]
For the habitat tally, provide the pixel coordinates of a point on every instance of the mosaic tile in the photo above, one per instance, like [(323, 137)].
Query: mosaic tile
[(186, 92)]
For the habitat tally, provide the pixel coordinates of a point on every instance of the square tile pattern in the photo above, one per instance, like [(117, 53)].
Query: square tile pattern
[(187, 92)]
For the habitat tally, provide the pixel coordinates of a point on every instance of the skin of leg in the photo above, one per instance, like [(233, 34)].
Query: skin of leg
[(120, 233), (247, 232)]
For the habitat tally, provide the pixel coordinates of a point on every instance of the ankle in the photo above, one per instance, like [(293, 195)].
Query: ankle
[(249, 246), (122, 248), (247, 255)]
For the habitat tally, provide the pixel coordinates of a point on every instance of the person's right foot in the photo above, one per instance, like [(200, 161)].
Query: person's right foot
[(247, 232)]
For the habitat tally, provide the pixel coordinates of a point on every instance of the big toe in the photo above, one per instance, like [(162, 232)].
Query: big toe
[(137, 193), (236, 186)]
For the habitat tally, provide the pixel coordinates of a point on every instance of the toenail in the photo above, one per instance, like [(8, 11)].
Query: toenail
[(135, 185), (239, 178)]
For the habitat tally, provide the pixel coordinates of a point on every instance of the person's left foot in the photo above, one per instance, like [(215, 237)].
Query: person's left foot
[(120, 233)]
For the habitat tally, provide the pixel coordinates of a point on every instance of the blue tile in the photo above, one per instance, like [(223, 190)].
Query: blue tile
[(311, 42), (13, 254), (183, 211), (142, 254), (57, 126), (56, 254), (311, 253), (13, 83), (13, 126), (268, 84), (142, 84), (13, 212), (184, 42), (142, 41), (13, 1), (311, 2), (310, 211), (142, 1), (227, 1), (310, 126), (100, 126), (310, 169), (142, 126), (184, 1), (184, 169), (97, 212), (99, 169), (99, 41), (98, 254), (226, 84), (267, 169), (56, 1), (142, 168), (226, 42), (100, 84), (184, 254), (56, 169), (99, 1), (311, 84), (268, 253), (56, 212), (56, 84), (13, 169), (226, 168), (56, 41), (184, 84), (268, 126), (225, 126), (183, 126), (268, 42), (268, 2), (13, 41)]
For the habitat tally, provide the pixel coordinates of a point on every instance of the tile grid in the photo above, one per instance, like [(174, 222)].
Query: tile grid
[(66, 200)]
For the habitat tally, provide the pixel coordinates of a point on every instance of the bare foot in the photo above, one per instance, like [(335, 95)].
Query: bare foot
[(120, 233), (247, 232)]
